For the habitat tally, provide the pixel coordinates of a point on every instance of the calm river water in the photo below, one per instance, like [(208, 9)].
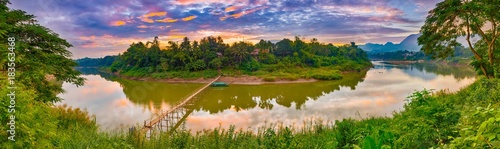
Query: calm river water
[(120, 103)]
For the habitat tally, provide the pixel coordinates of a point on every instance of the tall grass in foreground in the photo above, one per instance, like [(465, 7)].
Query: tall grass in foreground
[(314, 134)]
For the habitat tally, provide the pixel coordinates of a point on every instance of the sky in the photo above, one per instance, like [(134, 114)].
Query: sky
[(97, 28)]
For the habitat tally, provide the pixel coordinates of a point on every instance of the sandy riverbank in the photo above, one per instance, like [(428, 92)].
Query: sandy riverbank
[(243, 80)]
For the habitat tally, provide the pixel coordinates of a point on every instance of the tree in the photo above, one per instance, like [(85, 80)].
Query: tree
[(283, 48), (455, 18), (240, 51), (39, 52)]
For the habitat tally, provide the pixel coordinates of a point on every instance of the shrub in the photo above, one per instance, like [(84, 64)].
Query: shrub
[(327, 76), (269, 79)]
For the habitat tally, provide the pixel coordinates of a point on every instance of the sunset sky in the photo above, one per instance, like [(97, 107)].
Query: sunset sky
[(98, 28)]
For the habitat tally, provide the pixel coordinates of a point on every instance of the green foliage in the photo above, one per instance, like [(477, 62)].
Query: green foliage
[(346, 133), (196, 65), (480, 129), (39, 52), (270, 79), (96, 62), (212, 54), (251, 65), (452, 19), (327, 75), (399, 56)]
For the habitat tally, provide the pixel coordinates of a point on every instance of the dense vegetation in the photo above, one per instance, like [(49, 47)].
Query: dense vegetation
[(452, 19), (398, 56), (96, 62), (286, 59), (461, 55)]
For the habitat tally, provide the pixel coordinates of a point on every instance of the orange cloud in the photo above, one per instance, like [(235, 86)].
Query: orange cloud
[(189, 18), (169, 20), (237, 15), (176, 36), (232, 8), (223, 18), (146, 17), (118, 23), (240, 14)]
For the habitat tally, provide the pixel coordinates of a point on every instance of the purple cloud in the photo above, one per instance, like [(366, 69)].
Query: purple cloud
[(103, 27)]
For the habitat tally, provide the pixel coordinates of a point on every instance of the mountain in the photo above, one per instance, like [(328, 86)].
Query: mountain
[(409, 43)]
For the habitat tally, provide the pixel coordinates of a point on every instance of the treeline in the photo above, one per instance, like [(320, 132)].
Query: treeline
[(459, 52), (211, 53), (399, 56), (96, 62)]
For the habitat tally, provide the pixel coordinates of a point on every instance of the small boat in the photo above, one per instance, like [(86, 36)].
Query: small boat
[(219, 84)]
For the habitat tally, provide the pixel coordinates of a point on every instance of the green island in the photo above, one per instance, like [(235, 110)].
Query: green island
[(286, 60), (468, 118)]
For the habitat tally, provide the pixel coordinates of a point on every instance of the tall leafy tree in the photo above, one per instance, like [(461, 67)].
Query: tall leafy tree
[(457, 18), (283, 47), (39, 53)]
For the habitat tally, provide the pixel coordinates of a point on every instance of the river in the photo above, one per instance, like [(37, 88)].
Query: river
[(120, 103)]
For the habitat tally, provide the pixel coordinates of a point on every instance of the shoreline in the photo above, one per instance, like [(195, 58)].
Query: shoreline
[(403, 62), (411, 62), (239, 80)]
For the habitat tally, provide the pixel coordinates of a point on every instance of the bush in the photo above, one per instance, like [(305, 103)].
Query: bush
[(290, 77), (269, 79), (160, 75), (327, 76)]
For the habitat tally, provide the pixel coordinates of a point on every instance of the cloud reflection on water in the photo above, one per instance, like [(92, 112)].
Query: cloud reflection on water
[(381, 91), (380, 94)]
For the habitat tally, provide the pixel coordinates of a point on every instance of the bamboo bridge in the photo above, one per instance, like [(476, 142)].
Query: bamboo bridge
[(172, 117)]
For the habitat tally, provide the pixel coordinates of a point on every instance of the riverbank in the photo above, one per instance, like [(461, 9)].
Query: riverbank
[(241, 80), (453, 62), (401, 62), (297, 75)]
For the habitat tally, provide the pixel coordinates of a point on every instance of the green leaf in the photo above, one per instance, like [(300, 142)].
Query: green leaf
[(369, 143)]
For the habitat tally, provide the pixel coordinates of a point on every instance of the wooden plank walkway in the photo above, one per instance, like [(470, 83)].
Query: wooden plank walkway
[(151, 122)]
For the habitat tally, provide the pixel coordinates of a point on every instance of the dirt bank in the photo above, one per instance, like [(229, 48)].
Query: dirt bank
[(244, 80)]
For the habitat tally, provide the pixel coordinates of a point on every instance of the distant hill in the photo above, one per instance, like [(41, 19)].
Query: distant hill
[(409, 43)]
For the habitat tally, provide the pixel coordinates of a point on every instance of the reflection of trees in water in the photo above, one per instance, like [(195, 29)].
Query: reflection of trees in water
[(458, 72), (95, 71), (240, 97), (148, 92)]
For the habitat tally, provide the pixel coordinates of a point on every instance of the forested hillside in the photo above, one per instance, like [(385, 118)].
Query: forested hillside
[(460, 53)]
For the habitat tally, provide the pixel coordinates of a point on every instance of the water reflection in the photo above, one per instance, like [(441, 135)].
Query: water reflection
[(378, 92), (243, 97)]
